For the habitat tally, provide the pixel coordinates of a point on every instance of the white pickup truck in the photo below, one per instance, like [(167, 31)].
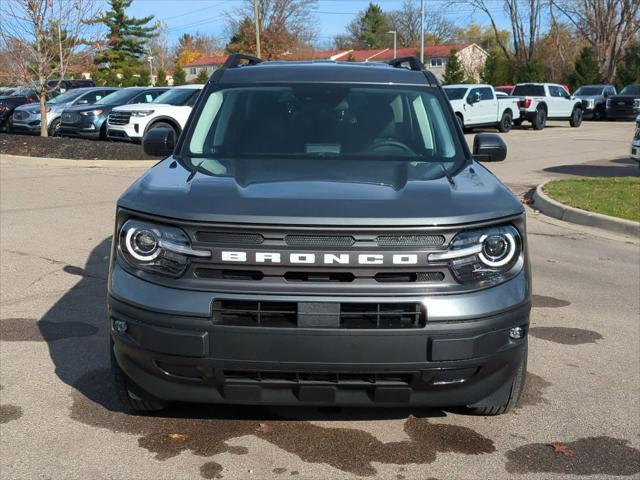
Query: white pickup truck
[(540, 102), (479, 106)]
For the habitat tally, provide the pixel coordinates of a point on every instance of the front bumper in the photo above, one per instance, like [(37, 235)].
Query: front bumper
[(87, 128), (186, 357), (130, 132), (31, 127), (626, 114), (635, 150)]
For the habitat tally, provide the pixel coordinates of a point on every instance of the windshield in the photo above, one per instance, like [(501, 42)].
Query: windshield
[(22, 91), (528, 91), (68, 96), (455, 93), (287, 124), (177, 96), (631, 90), (589, 91), (119, 97)]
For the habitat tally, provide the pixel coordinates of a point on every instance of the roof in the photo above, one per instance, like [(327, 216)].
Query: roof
[(325, 71)]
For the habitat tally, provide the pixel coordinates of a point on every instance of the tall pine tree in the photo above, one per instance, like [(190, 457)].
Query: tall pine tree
[(453, 71), (179, 77), (587, 69), (161, 78), (126, 40)]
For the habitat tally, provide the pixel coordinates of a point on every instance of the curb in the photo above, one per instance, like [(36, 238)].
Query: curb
[(558, 210), (66, 162)]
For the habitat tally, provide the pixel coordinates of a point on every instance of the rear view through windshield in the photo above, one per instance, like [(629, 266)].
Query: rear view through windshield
[(455, 93), (324, 120), (528, 91)]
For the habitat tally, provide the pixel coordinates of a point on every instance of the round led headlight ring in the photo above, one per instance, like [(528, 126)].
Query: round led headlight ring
[(498, 249), (142, 245)]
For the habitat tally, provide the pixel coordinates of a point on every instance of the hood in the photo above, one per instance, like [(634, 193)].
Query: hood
[(386, 198), (30, 107), (590, 97), (624, 97), (88, 108), (13, 100), (146, 106)]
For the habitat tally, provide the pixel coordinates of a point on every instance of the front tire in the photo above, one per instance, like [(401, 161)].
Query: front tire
[(515, 392), (576, 118), (130, 394), (54, 128), (540, 120), (506, 122)]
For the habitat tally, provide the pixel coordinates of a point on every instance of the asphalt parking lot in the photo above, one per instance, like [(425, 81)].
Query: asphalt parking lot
[(60, 418)]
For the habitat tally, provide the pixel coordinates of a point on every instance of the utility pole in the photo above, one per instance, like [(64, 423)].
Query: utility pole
[(395, 37), (60, 48), (256, 10), (422, 31)]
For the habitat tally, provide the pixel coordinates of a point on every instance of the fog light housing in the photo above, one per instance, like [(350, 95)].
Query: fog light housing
[(120, 326), (516, 333)]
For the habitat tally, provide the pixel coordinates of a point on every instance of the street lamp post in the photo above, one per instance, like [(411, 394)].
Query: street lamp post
[(395, 36), (150, 58)]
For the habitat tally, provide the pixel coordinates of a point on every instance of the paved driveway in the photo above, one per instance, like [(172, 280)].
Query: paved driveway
[(60, 419)]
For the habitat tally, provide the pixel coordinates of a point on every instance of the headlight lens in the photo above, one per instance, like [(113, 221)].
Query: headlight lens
[(141, 113), (156, 248), (92, 113), (487, 256), (591, 103), (636, 103), (608, 103)]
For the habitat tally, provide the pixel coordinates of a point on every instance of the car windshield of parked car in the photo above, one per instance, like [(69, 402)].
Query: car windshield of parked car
[(177, 96), (119, 97), (22, 92), (589, 91), (455, 93), (631, 90), (329, 123), (68, 96), (528, 91)]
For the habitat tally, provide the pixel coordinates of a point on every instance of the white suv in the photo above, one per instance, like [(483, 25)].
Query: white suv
[(169, 110), (540, 102)]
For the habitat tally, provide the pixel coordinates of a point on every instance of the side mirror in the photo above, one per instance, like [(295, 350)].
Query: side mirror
[(159, 142), (489, 147)]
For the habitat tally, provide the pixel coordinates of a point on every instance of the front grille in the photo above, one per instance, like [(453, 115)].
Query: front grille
[(274, 314), (230, 238), (119, 118), (319, 241), (20, 115), (69, 117), (358, 378), (410, 240), (409, 277)]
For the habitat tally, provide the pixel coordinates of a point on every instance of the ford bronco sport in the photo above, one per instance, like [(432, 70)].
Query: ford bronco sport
[(320, 234)]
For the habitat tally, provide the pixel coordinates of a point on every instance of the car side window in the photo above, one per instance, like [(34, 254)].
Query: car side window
[(486, 93), (563, 93), (91, 97), (146, 97)]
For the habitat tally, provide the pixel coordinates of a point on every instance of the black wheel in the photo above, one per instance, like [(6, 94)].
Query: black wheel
[(576, 118), (599, 113), (54, 128), (517, 386), (103, 132), (134, 397), (7, 127), (540, 120), (506, 122)]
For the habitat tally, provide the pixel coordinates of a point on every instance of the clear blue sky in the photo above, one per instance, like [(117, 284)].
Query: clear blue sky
[(207, 16)]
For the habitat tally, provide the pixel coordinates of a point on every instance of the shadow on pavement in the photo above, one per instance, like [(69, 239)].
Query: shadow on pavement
[(620, 167)]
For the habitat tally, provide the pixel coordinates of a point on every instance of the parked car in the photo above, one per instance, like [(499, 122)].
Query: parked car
[(540, 102), (625, 105), (479, 106), (321, 234), (26, 118), (4, 91), (90, 121), (594, 100), (169, 110), (635, 145), (56, 87), (508, 89), (8, 104)]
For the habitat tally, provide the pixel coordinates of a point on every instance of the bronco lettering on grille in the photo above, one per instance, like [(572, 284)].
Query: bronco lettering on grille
[(302, 258)]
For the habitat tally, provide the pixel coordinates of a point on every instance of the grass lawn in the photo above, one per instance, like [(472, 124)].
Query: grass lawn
[(617, 196)]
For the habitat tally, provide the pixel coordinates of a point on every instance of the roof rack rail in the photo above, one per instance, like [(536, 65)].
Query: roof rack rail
[(235, 60), (413, 62)]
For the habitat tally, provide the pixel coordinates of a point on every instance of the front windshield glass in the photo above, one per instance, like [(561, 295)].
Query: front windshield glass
[(119, 97), (177, 96), (455, 93), (68, 96), (279, 127), (631, 90), (22, 91), (589, 91)]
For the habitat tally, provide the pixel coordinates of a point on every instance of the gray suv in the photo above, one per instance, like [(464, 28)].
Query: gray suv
[(594, 100), (320, 234)]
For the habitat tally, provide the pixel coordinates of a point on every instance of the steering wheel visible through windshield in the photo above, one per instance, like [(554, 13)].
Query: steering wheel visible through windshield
[(313, 121)]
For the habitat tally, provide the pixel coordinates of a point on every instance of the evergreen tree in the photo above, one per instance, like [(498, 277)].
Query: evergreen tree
[(587, 69), (127, 38), (629, 71), (144, 79), (373, 28), (179, 77), (497, 70), (453, 71), (161, 78), (202, 77)]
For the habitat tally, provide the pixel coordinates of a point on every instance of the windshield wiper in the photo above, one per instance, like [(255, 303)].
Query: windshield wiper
[(447, 174)]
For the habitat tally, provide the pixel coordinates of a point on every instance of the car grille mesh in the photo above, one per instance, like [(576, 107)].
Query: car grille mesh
[(70, 117), (119, 118), (230, 238), (410, 240), (319, 241)]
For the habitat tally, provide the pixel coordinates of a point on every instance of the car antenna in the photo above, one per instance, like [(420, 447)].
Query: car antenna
[(447, 174)]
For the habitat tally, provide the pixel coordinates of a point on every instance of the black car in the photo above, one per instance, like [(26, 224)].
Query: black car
[(320, 234), (625, 105), (90, 120), (8, 103)]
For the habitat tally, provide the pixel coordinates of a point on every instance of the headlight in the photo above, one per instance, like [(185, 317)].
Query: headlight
[(636, 103), (591, 103), (2, 107), (608, 103), (92, 113), (156, 248), (141, 113), (487, 256)]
